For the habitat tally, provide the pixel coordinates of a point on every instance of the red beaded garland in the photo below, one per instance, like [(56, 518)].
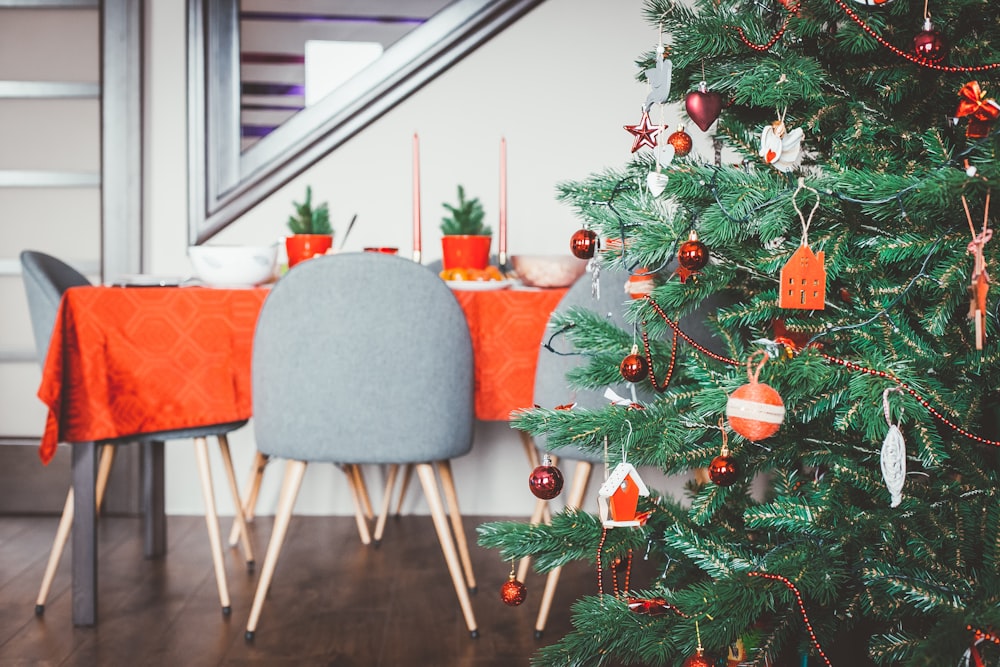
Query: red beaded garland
[(583, 243), (802, 608)]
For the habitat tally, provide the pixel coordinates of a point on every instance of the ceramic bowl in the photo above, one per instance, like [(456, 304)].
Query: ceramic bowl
[(548, 270), (233, 266)]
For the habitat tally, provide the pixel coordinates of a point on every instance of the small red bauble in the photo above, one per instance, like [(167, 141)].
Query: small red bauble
[(633, 367), (681, 141), (692, 256), (929, 44), (583, 243), (513, 592), (723, 469), (703, 107), (546, 481), (698, 660)]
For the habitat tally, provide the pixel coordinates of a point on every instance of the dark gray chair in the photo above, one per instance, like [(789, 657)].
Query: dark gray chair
[(46, 278), (354, 374)]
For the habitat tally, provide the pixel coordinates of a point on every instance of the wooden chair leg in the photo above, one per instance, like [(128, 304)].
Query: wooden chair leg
[(359, 515), (66, 524), (250, 497), (359, 482), (294, 471), (239, 521), (541, 512), (407, 475), (390, 485), (212, 522), (429, 483), (581, 477), (451, 499)]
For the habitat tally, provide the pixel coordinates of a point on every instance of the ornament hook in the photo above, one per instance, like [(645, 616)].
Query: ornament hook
[(805, 222), (885, 406)]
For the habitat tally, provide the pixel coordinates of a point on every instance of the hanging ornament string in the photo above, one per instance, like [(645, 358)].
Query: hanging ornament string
[(923, 62), (802, 609), (806, 222)]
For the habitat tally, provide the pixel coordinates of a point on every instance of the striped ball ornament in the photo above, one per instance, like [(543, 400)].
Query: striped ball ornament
[(755, 411)]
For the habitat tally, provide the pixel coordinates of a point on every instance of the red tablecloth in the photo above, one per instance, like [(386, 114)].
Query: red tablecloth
[(507, 328), (137, 360)]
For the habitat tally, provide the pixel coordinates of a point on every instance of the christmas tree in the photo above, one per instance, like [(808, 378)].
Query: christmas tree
[(845, 406)]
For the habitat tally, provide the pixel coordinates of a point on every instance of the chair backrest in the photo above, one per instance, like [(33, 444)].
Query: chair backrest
[(362, 358), (45, 280)]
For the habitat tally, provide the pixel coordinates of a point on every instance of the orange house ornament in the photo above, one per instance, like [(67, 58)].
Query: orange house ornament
[(803, 281), (618, 497)]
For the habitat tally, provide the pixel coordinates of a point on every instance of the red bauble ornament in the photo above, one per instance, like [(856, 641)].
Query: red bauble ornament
[(723, 469), (513, 592), (583, 243), (681, 141), (692, 256), (546, 481), (755, 410), (633, 367), (929, 44), (703, 107), (698, 660)]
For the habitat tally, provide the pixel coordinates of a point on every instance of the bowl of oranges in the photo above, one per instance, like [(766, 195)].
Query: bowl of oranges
[(474, 279)]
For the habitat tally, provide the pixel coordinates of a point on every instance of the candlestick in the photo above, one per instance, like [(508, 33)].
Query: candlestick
[(416, 198), (503, 203)]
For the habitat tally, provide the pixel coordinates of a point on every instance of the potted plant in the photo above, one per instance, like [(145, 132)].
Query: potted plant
[(466, 240), (312, 233)]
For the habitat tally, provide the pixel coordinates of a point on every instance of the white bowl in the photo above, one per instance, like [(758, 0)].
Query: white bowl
[(233, 266), (548, 270)]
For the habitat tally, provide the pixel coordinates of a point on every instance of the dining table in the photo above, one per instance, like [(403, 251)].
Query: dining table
[(139, 360)]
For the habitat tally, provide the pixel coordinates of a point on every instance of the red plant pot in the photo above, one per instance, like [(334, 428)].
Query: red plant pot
[(465, 251), (300, 247)]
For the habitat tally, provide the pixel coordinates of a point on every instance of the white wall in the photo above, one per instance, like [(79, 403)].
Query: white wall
[(559, 85)]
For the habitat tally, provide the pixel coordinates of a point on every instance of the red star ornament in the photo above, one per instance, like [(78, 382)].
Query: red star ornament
[(645, 133)]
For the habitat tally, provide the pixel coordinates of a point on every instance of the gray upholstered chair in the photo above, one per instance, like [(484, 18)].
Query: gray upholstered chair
[(45, 279), (349, 373)]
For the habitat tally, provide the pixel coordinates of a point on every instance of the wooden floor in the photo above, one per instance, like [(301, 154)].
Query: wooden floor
[(333, 601)]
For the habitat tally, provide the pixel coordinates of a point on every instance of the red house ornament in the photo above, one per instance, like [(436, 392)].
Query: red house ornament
[(618, 497), (803, 281)]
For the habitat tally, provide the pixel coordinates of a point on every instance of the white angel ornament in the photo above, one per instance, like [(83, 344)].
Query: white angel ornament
[(781, 148)]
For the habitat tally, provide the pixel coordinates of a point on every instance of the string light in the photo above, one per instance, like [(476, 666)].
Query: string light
[(923, 62), (802, 608)]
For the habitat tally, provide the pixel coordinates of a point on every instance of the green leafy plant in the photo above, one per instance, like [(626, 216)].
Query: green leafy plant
[(466, 217), (309, 220)]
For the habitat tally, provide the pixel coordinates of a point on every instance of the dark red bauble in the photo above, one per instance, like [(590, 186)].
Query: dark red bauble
[(693, 254), (681, 141), (583, 243), (703, 107), (699, 659), (723, 469), (929, 44), (546, 481), (513, 592), (633, 367)]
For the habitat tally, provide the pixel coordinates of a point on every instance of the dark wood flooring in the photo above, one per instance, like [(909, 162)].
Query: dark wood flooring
[(333, 601)]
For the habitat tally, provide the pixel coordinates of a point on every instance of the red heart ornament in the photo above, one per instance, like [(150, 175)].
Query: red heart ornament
[(703, 107)]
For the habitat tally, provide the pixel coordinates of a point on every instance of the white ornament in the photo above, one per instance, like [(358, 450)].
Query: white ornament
[(780, 148), (893, 457), (657, 182), (664, 154)]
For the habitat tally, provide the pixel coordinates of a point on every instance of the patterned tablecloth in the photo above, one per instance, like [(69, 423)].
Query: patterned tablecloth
[(139, 360)]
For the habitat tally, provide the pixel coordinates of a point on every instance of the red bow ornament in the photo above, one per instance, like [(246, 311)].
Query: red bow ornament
[(972, 102)]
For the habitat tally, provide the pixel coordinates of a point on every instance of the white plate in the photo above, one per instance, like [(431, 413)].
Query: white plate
[(479, 285), (146, 280)]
